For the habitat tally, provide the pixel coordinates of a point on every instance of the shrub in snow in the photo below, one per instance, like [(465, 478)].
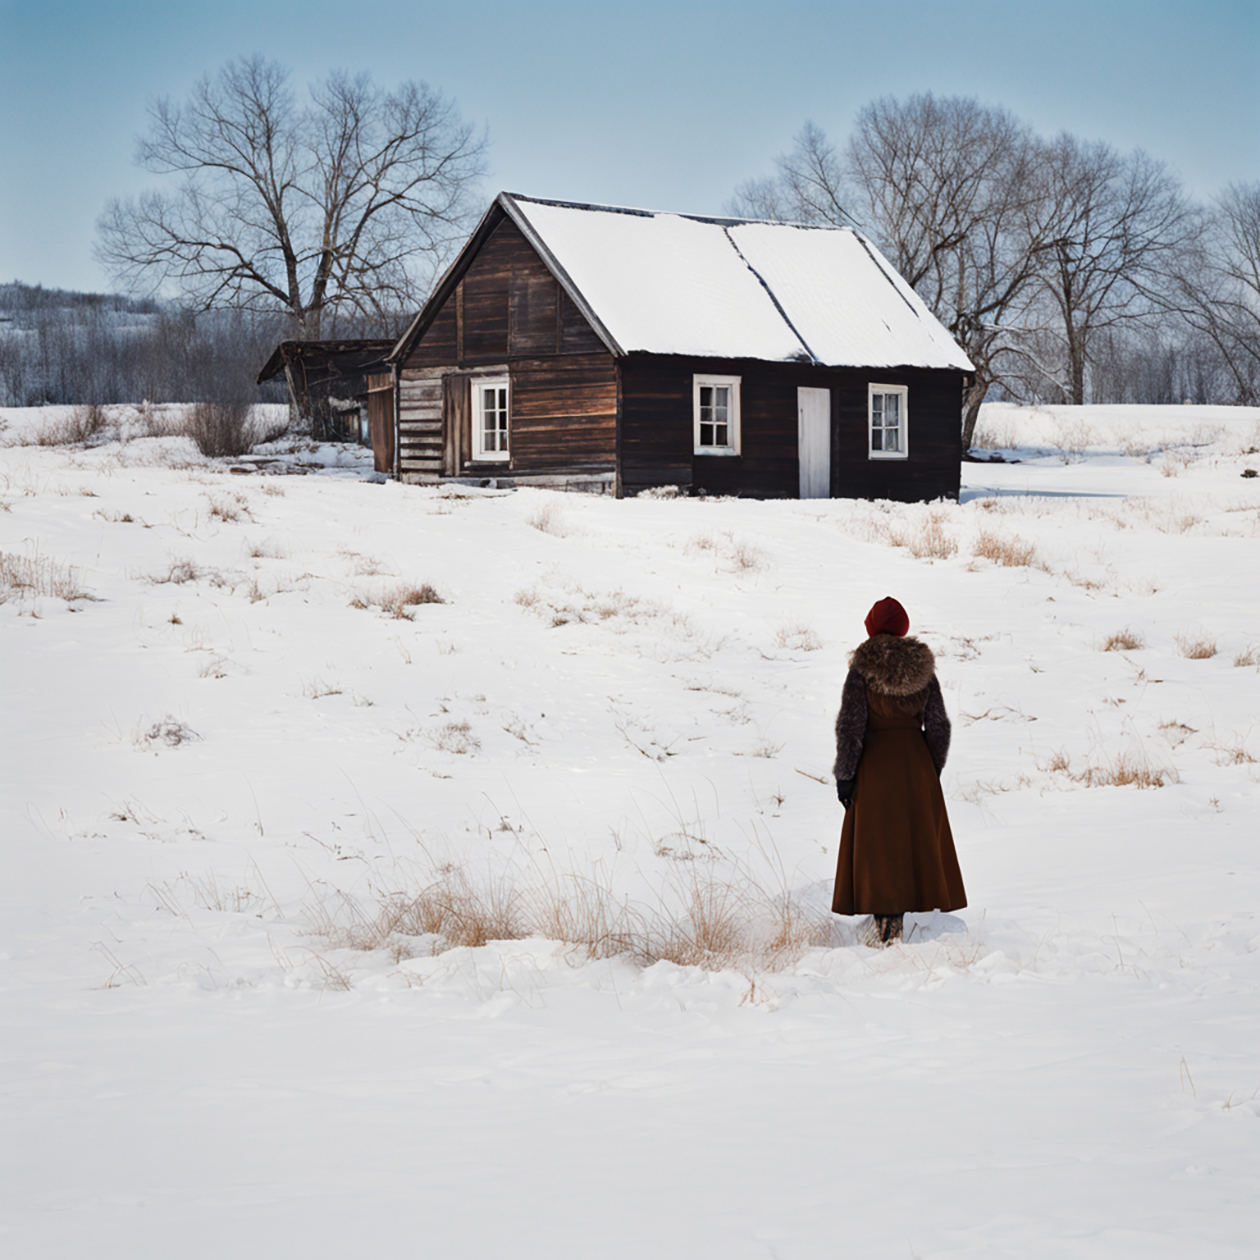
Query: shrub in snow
[(221, 429)]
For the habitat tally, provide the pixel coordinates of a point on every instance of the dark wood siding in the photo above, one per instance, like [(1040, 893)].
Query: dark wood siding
[(508, 314), (438, 345), (508, 305), (532, 311), (657, 430), (933, 468), (564, 413), (576, 335)]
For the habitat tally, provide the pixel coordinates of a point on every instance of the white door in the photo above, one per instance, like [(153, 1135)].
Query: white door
[(813, 438)]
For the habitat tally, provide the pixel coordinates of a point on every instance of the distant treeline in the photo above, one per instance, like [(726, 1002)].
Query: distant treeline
[(59, 346)]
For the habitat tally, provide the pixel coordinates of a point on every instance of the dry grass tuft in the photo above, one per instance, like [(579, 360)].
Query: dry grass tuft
[(742, 557), (700, 918), (1125, 640), (452, 907), (1231, 752), (77, 427), (989, 437), (179, 572), (1248, 658), (1196, 647), (229, 508), (168, 731), (1059, 763), (317, 689), (1004, 549), (584, 911), (548, 519), (267, 549), (797, 637), (38, 575), (615, 609), (455, 737), (160, 421), (400, 600), (1128, 770), (1072, 438), (929, 540)]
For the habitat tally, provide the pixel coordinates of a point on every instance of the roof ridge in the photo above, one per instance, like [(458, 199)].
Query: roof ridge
[(724, 221)]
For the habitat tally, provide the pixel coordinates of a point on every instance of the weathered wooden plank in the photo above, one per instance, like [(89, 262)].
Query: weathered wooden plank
[(506, 305), (532, 299)]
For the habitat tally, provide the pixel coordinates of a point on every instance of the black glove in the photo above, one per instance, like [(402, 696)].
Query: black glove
[(844, 791)]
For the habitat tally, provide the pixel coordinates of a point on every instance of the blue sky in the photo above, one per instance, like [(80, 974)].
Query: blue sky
[(664, 105)]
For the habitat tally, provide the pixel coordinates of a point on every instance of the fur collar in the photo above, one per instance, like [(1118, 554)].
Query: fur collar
[(894, 666)]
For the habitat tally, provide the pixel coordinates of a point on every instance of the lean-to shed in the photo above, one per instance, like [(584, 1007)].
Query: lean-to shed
[(596, 347)]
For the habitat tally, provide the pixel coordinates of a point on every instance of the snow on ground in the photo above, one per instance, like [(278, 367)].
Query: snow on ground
[(223, 756)]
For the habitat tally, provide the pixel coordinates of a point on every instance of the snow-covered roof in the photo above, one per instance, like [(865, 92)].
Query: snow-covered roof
[(733, 288)]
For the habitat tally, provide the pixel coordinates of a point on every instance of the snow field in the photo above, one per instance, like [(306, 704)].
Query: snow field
[(240, 740)]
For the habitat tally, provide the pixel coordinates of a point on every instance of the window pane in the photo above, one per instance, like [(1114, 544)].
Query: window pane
[(719, 435), (877, 439), (891, 440), (892, 408)]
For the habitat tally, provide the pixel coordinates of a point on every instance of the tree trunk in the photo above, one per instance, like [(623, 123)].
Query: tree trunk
[(1076, 365), (973, 396)]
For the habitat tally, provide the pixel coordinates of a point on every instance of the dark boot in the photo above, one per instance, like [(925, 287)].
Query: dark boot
[(888, 927)]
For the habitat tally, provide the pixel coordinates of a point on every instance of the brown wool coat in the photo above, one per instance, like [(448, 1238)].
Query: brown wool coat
[(892, 736)]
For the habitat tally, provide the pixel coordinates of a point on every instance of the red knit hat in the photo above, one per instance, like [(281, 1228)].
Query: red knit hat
[(887, 617)]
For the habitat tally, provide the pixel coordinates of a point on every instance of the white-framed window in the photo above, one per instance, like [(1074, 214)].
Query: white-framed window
[(491, 395), (715, 402), (889, 434)]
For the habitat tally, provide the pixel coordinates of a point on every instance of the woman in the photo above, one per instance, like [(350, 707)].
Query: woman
[(892, 737)]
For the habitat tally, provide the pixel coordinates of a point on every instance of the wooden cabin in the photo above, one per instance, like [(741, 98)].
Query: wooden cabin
[(598, 348)]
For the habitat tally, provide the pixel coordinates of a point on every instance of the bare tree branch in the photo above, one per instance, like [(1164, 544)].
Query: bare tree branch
[(341, 206)]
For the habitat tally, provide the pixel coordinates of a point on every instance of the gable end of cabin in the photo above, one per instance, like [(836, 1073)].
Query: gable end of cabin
[(505, 378)]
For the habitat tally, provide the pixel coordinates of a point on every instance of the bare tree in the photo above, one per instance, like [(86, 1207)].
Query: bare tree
[(1218, 287), (810, 185), (1113, 229), (339, 205), (940, 184), (945, 188), (1025, 250)]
